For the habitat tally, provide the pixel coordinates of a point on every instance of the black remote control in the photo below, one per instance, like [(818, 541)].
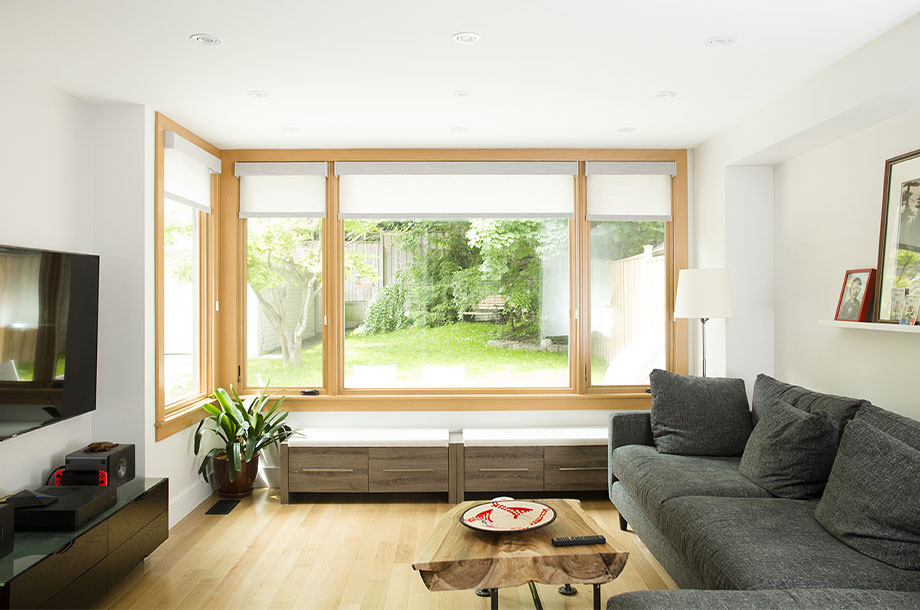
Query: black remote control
[(573, 540)]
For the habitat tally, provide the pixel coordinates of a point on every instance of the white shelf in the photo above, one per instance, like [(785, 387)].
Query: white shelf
[(896, 328)]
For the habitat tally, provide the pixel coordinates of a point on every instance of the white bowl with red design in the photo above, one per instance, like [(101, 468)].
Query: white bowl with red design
[(508, 516)]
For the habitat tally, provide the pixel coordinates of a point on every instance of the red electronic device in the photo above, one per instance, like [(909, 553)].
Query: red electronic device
[(63, 476)]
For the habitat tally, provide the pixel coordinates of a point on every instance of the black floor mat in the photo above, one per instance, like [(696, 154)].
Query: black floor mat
[(222, 507)]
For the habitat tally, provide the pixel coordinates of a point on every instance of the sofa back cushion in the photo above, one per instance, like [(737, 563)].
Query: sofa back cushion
[(872, 496), (790, 452), (902, 428), (699, 415), (767, 390)]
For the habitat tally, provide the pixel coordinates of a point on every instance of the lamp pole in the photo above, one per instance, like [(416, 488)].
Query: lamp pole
[(703, 334)]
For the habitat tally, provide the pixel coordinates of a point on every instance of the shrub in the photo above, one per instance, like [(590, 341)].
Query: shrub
[(386, 311)]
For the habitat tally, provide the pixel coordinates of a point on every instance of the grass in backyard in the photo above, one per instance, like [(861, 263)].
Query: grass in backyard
[(463, 343)]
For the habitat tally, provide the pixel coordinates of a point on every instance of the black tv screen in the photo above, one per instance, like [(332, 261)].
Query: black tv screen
[(49, 317)]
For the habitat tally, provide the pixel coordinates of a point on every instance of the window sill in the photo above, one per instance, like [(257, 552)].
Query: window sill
[(181, 419), (468, 402)]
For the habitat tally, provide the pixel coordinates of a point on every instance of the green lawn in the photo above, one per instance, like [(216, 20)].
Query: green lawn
[(461, 343)]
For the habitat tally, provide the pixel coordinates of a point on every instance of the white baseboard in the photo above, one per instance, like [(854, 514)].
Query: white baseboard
[(186, 501)]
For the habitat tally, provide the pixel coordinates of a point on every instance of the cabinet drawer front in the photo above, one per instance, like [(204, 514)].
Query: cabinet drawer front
[(407, 469), (123, 559), (503, 468), (322, 469), (134, 516), (576, 468), (39, 584), (82, 592)]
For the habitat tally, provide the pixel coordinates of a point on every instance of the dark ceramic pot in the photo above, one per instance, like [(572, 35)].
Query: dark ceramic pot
[(242, 486)]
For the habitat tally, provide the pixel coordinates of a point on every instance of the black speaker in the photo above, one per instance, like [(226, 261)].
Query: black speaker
[(6, 529), (110, 467)]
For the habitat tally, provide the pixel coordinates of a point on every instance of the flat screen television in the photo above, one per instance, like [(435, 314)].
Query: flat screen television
[(49, 318)]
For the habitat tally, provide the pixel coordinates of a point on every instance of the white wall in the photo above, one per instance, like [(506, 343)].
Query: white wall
[(45, 172), (828, 207), (749, 259), (119, 187)]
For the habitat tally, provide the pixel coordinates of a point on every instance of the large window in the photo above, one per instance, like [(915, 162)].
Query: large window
[(283, 205), (456, 274), (186, 185), (627, 207)]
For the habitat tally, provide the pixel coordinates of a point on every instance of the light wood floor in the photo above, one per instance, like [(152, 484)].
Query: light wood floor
[(341, 552)]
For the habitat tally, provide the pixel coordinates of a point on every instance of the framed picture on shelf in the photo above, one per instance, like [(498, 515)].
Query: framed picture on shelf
[(899, 238), (911, 309), (856, 295)]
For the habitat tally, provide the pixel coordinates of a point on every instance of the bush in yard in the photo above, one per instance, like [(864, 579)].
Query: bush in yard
[(386, 311)]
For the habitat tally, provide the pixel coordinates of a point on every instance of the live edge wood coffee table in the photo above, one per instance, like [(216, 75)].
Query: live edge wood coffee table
[(457, 557)]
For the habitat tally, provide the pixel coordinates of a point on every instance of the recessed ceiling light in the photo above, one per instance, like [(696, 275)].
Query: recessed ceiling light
[(665, 94), (626, 129), (257, 93), (461, 93), (208, 40), (459, 129), (466, 37), (720, 41)]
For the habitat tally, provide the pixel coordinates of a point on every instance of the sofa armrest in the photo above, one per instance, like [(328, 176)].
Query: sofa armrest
[(626, 428), (629, 428)]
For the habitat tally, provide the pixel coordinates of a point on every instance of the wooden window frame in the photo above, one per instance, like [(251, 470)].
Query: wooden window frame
[(333, 396), (178, 415)]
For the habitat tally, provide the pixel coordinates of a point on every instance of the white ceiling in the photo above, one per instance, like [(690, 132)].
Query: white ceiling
[(374, 73)]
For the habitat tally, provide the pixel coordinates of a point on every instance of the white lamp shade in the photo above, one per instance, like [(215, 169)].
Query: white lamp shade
[(704, 293)]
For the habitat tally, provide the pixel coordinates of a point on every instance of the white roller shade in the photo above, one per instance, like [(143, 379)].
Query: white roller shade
[(282, 190), (443, 190), (187, 172), (626, 190)]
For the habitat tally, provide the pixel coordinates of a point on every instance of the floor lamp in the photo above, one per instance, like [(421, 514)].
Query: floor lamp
[(704, 294)]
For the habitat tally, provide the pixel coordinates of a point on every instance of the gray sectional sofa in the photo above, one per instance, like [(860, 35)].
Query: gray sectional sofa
[(734, 544)]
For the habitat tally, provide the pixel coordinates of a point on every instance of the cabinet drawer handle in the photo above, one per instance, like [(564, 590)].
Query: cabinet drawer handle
[(66, 547), (570, 468), (408, 469), (328, 469), (504, 469)]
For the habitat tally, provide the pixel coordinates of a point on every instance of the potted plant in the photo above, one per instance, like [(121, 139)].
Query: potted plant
[(244, 430)]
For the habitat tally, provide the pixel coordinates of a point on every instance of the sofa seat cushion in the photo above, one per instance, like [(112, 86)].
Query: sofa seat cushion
[(764, 600), (747, 543), (653, 478)]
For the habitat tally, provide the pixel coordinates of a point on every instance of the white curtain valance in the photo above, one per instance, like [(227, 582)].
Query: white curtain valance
[(187, 170), (629, 190), (445, 190), (282, 189)]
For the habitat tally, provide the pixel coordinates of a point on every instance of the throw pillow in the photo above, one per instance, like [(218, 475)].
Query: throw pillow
[(699, 415), (766, 390), (790, 452), (904, 429), (870, 503)]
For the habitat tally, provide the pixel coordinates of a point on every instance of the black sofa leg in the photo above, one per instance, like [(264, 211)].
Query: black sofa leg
[(623, 524)]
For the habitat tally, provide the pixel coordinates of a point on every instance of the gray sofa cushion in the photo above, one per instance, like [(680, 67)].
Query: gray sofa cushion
[(766, 390), (871, 500), (699, 415), (747, 543), (902, 428), (790, 452), (653, 478), (764, 600)]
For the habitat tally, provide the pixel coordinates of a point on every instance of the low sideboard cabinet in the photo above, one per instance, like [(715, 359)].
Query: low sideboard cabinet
[(499, 460), (74, 568), (366, 461)]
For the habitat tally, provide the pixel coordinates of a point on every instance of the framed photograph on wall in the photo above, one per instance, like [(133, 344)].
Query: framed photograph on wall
[(899, 237), (856, 295)]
